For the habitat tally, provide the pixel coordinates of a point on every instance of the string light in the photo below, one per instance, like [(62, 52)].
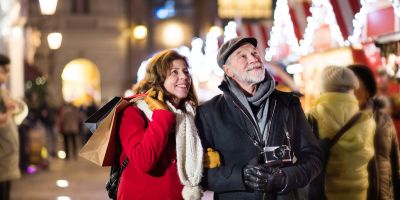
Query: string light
[(321, 13), (230, 31), (282, 31), (396, 6), (358, 24)]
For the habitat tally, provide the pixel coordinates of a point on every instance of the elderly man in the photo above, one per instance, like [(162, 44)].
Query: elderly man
[(267, 149)]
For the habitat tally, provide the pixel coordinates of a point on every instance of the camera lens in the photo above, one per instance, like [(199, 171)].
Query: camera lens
[(279, 152)]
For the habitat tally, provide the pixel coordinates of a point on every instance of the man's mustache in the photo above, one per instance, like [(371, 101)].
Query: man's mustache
[(254, 66)]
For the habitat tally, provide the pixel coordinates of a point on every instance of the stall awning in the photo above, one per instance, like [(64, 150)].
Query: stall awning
[(299, 11), (345, 10)]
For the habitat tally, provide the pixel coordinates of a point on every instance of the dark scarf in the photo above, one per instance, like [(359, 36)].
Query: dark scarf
[(259, 101)]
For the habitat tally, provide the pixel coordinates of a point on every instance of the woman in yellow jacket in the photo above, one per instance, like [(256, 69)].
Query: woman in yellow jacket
[(346, 170)]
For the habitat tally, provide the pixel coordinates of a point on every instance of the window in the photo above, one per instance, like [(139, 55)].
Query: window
[(80, 6), (250, 9)]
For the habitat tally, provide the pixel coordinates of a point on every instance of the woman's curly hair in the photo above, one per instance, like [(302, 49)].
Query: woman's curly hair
[(157, 71)]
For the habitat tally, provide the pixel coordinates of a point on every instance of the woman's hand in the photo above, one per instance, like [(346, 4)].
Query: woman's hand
[(155, 100)]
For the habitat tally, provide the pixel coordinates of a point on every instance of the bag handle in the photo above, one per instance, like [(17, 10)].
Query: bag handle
[(346, 127)]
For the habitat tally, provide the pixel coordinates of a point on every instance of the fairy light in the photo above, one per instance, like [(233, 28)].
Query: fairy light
[(202, 56), (321, 13), (9, 14), (331, 20), (396, 6), (358, 23), (196, 58), (282, 30), (210, 54), (230, 31)]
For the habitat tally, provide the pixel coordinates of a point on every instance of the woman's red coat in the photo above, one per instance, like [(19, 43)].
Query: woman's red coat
[(150, 146)]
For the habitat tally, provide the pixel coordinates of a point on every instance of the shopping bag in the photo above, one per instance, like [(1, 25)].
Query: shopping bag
[(101, 148), (93, 122)]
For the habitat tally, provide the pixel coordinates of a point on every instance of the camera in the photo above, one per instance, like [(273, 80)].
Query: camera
[(277, 154)]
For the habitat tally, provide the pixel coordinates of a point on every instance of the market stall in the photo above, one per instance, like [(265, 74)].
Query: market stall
[(313, 64)]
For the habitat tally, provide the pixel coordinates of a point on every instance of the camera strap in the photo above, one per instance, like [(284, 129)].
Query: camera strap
[(268, 126)]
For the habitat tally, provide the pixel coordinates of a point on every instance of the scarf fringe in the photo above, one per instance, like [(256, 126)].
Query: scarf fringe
[(192, 193)]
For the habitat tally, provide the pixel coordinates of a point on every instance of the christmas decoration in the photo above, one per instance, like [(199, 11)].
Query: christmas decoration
[(322, 25), (282, 33)]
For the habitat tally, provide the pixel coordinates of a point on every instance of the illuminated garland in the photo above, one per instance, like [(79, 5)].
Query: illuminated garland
[(282, 30), (396, 6), (230, 31), (358, 24), (321, 13)]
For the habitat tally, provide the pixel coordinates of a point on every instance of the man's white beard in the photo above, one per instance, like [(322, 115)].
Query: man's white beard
[(248, 78)]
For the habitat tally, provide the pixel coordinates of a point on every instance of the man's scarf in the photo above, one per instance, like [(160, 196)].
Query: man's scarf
[(259, 99)]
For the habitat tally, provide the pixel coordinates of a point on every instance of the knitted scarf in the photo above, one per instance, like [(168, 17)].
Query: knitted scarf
[(189, 152), (259, 99)]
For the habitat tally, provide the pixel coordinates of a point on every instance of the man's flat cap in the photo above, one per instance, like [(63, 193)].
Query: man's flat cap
[(230, 46)]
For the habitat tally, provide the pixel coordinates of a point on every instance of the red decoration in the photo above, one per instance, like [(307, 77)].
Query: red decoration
[(345, 10), (382, 21), (299, 11)]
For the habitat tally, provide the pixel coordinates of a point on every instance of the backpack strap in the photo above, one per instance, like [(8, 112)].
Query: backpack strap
[(346, 127)]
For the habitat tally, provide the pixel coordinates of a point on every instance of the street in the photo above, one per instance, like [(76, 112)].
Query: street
[(86, 181)]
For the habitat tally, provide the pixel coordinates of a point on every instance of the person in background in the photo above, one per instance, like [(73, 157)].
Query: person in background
[(69, 121), (47, 115), (384, 169), (9, 139), (346, 171), (395, 112), (266, 147), (164, 151)]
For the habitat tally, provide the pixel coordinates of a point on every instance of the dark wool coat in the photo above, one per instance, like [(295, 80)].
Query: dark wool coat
[(224, 127), (151, 173)]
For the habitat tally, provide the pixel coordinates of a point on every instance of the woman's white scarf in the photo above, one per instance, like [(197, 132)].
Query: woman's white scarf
[(189, 152)]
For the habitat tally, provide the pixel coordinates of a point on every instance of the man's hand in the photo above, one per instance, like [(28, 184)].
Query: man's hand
[(263, 177), (211, 159), (155, 100)]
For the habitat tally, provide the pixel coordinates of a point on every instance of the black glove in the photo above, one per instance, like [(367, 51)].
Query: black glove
[(264, 178)]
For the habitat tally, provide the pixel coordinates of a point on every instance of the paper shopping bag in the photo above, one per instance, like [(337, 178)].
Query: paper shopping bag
[(101, 148), (93, 122)]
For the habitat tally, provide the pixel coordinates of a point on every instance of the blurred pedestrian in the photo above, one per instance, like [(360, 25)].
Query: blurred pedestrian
[(164, 151), (47, 115), (384, 169), (69, 126), (9, 139), (346, 171)]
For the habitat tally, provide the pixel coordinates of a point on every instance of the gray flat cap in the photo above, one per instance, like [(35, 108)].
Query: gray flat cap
[(230, 46)]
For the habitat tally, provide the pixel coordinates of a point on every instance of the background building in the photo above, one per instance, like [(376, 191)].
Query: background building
[(100, 53)]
